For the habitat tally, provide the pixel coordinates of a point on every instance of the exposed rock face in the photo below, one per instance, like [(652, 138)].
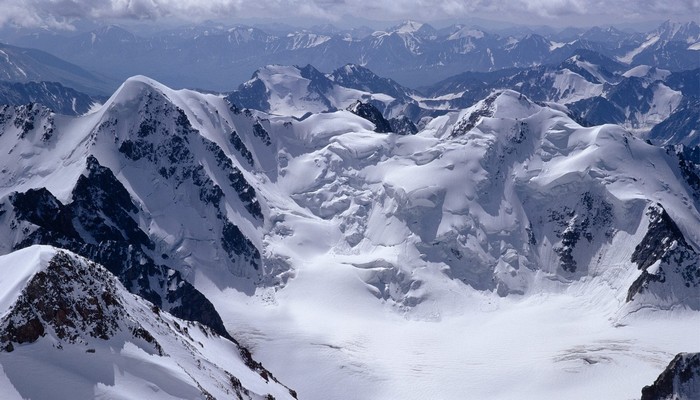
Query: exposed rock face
[(664, 255), (679, 381), (75, 300), (28, 118), (689, 164), (76, 304), (592, 215), (403, 126), (104, 213), (483, 109), (372, 114)]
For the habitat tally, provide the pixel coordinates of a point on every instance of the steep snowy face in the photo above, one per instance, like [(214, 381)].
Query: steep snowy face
[(299, 235), (57, 306), (507, 196), (172, 169), (127, 170)]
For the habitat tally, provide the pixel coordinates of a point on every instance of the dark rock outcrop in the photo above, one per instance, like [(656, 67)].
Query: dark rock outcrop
[(104, 214), (372, 114), (664, 244), (679, 381)]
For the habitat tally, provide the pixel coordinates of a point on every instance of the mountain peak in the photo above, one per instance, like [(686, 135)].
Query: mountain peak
[(135, 88), (410, 27), (65, 296), (67, 306), (407, 26), (467, 32), (676, 31), (112, 32)]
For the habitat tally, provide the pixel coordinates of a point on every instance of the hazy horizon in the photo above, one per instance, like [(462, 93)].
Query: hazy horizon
[(493, 14)]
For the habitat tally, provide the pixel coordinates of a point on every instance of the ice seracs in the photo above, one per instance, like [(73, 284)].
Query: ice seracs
[(327, 246)]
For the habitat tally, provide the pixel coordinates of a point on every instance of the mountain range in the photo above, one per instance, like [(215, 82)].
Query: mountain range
[(508, 217), (217, 57), (243, 221)]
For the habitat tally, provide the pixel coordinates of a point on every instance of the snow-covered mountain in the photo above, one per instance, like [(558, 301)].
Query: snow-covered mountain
[(217, 57), (339, 252), (295, 91), (595, 88), (103, 205), (69, 329), (671, 46)]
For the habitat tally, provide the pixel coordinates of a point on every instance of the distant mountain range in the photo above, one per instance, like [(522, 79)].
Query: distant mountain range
[(19, 64), (592, 88), (414, 54), (410, 213)]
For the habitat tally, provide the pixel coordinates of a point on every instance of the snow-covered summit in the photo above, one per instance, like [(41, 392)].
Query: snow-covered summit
[(409, 26), (117, 344), (296, 91), (323, 243)]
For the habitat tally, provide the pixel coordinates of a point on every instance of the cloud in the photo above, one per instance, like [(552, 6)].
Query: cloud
[(63, 13)]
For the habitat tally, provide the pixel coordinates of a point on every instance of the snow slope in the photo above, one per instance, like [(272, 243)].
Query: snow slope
[(501, 243), (69, 329), (485, 201)]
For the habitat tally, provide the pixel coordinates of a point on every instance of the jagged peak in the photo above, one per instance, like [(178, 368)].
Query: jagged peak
[(267, 74), (673, 30), (407, 26), (507, 104), (534, 38), (310, 72), (352, 70), (62, 295), (467, 32)]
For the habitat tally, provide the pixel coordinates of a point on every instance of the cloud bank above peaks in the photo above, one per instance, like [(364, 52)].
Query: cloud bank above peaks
[(64, 13)]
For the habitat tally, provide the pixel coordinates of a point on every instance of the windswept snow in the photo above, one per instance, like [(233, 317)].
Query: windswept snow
[(629, 57), (489, 254), (646, 71)]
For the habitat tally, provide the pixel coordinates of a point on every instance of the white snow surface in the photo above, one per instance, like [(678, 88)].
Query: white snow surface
[(466, 32), (646, 71), (399, 246), (290, 94), (629, 57), (124, 366), (571, 87)]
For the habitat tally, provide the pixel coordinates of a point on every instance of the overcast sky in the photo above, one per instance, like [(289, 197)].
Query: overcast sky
[(65, 13)]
